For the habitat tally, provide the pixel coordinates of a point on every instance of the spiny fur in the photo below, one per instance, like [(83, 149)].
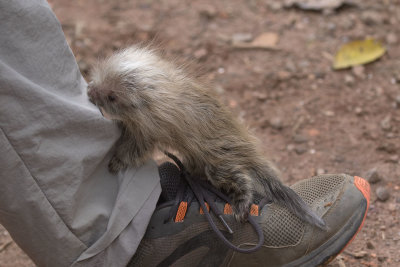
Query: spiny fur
[(158, 106)]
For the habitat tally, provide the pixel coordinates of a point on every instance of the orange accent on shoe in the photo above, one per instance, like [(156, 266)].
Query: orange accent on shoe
[(254, 210), (365, 189), (180, 215), (201, 209), (227, 209)]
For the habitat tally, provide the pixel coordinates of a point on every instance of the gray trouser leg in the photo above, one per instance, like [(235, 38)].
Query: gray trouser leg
[(57, 199)]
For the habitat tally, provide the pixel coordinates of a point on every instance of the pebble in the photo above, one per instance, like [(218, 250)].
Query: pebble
[(349, 79), (387, 147), (398, 99), (371, 18), (393, 159), (358, 111), (301, 149), (275, 5), (359, 71), (320, 171), (360, 254), (299, 138), (329, 113), (347, 23), (392, 206), (385, 123), (283, 75), (242, 37), (373, 176), (260, 96), (208, 11), (391, 38), (290, 147), (339, 158), (276, 123), (382, 193), (382, 258), (200, 53), (370, 245)]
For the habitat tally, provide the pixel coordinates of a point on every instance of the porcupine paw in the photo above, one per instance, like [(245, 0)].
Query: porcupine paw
[(241, 208), (115, 165)]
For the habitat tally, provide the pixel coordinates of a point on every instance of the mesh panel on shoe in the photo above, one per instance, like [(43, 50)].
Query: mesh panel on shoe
[(152, 251), (281, 228), (320, 188)]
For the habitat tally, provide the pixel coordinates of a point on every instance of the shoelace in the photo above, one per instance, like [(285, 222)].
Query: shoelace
[(204, 192)]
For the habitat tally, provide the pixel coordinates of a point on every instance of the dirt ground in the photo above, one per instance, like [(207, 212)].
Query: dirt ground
[(310, 118)]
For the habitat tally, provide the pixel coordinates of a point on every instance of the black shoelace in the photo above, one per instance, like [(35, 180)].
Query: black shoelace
[(204, 192)]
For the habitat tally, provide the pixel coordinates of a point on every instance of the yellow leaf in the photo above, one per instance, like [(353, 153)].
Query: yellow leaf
[(358, 53)]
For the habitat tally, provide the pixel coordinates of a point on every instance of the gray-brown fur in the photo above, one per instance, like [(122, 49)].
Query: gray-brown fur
[(159, 107)]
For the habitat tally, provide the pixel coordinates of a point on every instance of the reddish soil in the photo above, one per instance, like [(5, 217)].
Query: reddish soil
[(310, 118)]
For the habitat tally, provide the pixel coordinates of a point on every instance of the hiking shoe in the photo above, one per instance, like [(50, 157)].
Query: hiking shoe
[(179, 233)]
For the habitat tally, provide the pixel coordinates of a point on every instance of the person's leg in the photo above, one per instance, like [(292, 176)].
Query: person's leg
[(57, 199)]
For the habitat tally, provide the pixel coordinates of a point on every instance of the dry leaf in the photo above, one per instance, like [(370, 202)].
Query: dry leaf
[(358, 53), (266, 40)]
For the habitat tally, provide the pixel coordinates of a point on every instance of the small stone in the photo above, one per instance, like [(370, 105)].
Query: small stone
[(290, 66), (372, 176), (301, 149), (349, 79), (358, 111), (320, 171), (392, 206), (299, 138), (329, 113), (208, 11), (283, 75), (370, 245), (382, 258), (275, 5), (241, 37), (378, 90), (382, 193), (372, 17), (260, 96), (346, 23), (359, 71), (393, 159), (387, 147), (360, 254), (290, 147), (200, 53), (391, 38), (339, 158), (398, 99), (385, 123), (276, 123)]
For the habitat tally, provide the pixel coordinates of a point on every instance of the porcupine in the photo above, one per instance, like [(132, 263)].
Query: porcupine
[(158, 106)]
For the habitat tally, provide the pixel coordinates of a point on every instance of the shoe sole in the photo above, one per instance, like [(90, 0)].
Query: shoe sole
[(328, 251)]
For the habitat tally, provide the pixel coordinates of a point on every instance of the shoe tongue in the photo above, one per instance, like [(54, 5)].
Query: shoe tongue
[(170, 179)]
